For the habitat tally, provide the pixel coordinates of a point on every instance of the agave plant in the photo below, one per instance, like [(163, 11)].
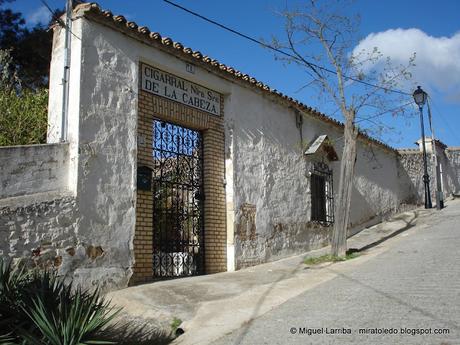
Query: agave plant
[(39, 308), (12, 282), (77, 319)]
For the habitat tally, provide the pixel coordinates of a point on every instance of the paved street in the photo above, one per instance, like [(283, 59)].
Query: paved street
[(411, 281)]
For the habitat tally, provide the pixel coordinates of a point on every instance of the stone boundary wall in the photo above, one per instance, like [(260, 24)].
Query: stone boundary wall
[(43, 232), (38, 231), (452, 171), (412, 163), (33, 169)]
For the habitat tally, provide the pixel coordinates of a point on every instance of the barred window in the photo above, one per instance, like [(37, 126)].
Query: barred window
[(322, 195)]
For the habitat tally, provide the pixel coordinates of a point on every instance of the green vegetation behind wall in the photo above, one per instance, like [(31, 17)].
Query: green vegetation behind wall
[(23, 116)]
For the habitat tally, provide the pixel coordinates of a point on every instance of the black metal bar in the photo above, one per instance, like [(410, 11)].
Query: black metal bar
[(322, 194), (178, 208), (426, 177)]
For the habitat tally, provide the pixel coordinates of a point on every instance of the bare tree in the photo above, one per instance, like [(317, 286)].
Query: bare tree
[(320, 39)]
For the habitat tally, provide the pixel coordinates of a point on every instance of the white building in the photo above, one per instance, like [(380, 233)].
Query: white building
[(177, 164)]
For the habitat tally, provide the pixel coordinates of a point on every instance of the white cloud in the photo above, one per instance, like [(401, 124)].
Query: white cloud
[(40, 16), (437, 58)]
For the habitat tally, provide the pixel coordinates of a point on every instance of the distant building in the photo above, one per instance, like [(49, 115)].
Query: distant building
[(440, 146)]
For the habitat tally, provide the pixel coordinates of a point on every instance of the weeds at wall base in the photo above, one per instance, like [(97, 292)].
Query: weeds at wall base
[(312, 261)]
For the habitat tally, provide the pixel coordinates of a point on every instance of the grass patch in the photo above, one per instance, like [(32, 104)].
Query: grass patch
[(175, 323), (311, 261)]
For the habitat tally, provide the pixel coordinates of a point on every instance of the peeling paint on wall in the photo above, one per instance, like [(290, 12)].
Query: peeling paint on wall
[(246, 226), (283, 240), (33, 169)]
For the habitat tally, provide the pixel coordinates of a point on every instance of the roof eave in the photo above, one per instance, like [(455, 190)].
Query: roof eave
[(119, 23)]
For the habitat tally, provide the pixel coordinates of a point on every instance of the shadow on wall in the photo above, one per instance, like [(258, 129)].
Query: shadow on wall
[(378, 216), (411, 167), (276, 124), (360, 205), (406, 185), (382, 187), (253, 135)]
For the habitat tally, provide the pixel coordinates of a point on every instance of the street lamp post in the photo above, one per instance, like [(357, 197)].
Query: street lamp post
[(437, 167), (420, 97)]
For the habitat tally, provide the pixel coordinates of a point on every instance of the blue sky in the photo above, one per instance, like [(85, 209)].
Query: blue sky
[(436, 41)]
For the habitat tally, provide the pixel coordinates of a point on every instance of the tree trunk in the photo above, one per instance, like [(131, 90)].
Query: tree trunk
[(343, 202)]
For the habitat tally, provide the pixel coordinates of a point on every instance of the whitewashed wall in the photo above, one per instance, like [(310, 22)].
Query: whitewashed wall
[(102, 133), (381, 185), (103, 142), (271, 174), (99, 210), (33, 169)]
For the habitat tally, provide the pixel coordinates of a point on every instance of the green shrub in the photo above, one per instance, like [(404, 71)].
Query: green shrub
[(38, 308), (23, 111), (23, 116)]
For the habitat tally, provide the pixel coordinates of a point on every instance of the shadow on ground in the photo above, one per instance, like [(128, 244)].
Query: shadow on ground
[(409, 221), (245, 328), (397, 299), (130, 331)]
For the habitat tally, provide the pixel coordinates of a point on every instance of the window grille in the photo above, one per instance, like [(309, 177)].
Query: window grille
[(322, 194)]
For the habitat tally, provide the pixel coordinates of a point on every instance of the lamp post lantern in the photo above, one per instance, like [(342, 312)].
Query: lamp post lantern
[(420, 97)]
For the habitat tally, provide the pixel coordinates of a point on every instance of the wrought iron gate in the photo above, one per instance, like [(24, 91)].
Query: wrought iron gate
[(177, 201)]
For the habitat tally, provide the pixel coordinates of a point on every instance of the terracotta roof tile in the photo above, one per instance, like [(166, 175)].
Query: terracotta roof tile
[(155, 35), (167, 41), (144, 30), (119, 19), (178, 46), (197, 55), (94, 10)]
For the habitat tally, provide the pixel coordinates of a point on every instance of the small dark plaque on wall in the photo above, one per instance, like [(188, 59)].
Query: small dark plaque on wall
[(144, 178)]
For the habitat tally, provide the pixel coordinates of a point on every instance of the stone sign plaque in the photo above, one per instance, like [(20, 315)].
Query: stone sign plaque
[(168, 85)]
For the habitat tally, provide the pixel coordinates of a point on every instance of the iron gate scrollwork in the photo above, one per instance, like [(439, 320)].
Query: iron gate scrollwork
[(177, 201), (322, 194)]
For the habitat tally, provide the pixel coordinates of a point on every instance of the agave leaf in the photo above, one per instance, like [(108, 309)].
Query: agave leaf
[(46, 325), (39, 309), (7, 339)]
